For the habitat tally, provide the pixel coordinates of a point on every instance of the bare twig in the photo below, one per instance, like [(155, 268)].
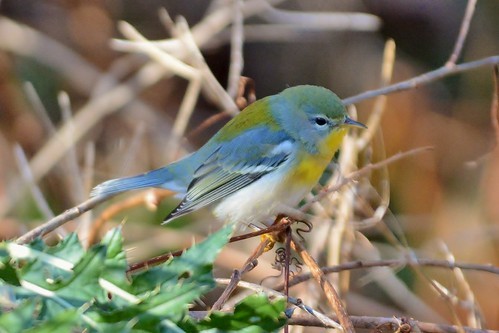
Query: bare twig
[(275, 228), (236, 49), (362, 172), (488, 268), (327, 287), (271, 294), (381, 324), (72, 169), (81, 75), (474, 315), (322, 20), (463, 33), (59, 220), (422, 79), (378, 110), (27, 176), (237, 274), (150, 198)]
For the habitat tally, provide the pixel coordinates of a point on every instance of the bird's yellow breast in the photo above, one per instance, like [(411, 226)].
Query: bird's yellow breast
[(310, 167)]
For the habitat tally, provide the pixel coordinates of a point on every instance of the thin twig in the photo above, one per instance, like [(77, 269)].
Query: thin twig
[(27, 176), (374, 121), (151, 198), (59, 220), (474, 314), (90, 115), (422, 79), (362, 172), (463, 33), (271, 294), (81, 75), (382, 324), (72, 171), (287, 256), (488, 268), (236, 49), (322, 20), (251, 262), (327, 287), (276, 228)]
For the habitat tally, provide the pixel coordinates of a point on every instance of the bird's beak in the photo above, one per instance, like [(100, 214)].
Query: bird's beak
[(351, 122)]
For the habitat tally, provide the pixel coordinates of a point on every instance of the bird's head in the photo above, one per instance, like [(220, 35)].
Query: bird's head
[(313, 115)]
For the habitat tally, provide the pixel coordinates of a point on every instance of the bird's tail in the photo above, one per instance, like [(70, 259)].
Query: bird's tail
[(156, 178)]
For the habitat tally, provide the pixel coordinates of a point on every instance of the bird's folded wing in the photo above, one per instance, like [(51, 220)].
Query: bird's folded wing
[(233, 166)]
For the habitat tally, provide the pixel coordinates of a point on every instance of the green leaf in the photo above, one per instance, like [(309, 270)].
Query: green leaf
[(79, 286), (168, 289), (66, 321), (115, 266), (20, 318), (254, 314), (7, 272)]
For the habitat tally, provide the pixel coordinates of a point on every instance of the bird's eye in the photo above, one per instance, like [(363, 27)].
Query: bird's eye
[(320, 121)]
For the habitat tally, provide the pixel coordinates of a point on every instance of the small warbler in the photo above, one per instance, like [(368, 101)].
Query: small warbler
[(261, 163)]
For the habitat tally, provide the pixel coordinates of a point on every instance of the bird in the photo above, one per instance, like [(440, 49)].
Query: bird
[(263, 161)]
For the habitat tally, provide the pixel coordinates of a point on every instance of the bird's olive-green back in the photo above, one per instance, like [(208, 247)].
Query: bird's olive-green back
[(254, 115)]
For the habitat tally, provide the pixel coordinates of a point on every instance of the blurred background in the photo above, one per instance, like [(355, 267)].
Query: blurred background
[(446, 196)]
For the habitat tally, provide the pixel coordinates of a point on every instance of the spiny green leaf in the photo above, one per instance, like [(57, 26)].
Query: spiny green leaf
[(195, 262), (20, 318), (82, 283), (168, 289), (66, 321), (7, 272), (255, 314), (116, 264)]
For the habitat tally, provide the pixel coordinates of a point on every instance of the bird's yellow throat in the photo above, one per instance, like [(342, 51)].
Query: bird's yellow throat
[(312, 166)]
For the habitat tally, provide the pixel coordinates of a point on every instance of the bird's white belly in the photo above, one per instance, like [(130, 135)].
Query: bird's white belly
[(261, 201)]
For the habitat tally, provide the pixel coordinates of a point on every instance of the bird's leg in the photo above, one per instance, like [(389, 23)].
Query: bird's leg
[(281, 222)]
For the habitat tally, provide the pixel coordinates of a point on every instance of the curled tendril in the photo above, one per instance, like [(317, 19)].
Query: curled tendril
[(280, 261), (308, 228)]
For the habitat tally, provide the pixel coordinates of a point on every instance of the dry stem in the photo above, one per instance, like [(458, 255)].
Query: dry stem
[(488, 268), (327, 287)]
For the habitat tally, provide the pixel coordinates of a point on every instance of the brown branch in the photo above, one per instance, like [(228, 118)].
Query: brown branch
[(149, 197), (251, 263), (327, 287), (463, 33), (393, 263), (423, 79), (277, 228), (381, 324), (61, 219)]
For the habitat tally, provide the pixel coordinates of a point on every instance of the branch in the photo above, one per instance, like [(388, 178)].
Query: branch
[(380, 324), (327, 287), (488, 268), (362, 172), (250, 263), (150, 198), (463, 33), (423, 79), (59, 220)]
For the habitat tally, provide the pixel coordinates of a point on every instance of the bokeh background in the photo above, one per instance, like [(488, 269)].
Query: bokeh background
[(447, 196)]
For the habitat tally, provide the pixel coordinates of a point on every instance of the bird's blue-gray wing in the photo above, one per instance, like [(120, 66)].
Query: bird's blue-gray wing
[(234, 165)]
